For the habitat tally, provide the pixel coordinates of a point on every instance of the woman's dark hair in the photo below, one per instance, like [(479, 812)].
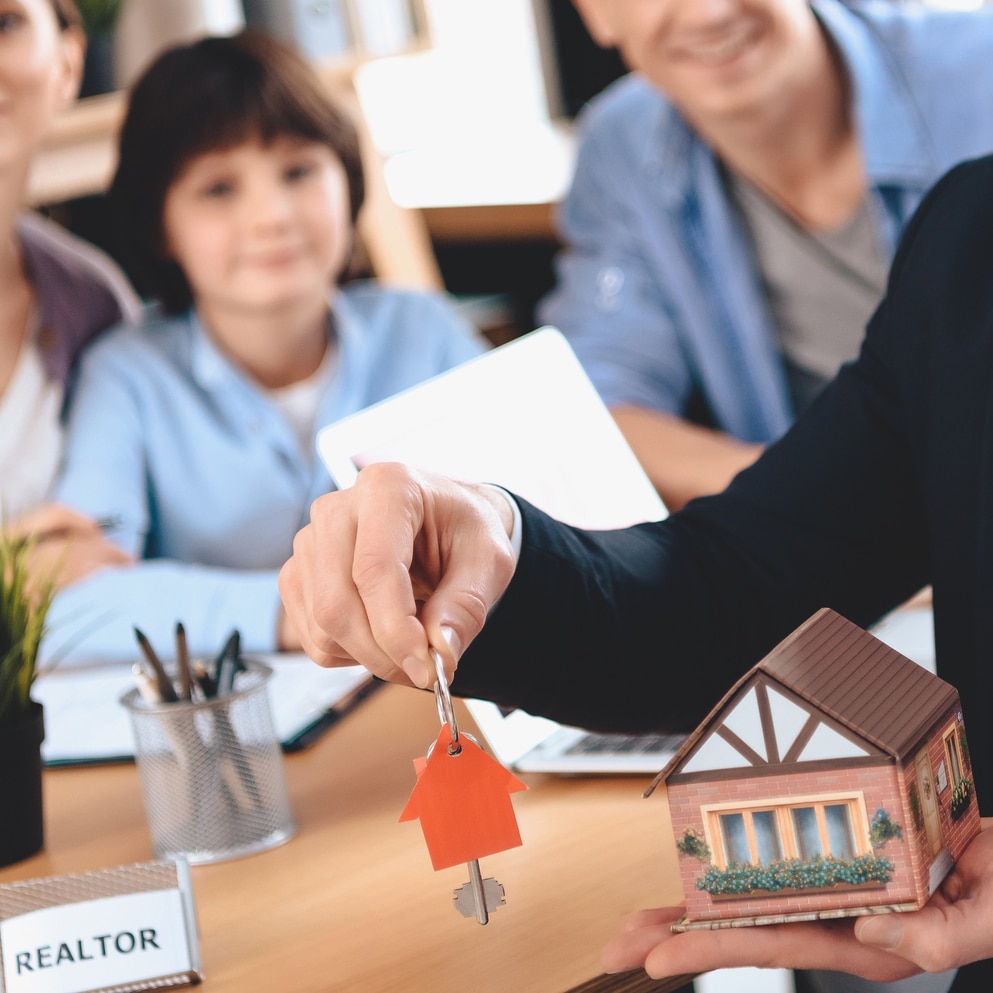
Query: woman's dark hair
[(210, 95), (67, 14)]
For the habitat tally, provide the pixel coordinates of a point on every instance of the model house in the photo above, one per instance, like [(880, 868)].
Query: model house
[(832, 780)]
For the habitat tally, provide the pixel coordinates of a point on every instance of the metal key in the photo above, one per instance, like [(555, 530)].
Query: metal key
[(478, 896)]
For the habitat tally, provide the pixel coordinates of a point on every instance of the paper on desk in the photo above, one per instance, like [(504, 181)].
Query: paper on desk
[(85, 722)]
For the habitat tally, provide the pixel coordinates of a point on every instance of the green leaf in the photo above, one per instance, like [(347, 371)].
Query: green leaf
[(24, 604)]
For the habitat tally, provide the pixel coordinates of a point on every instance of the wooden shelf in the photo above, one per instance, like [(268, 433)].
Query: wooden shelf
[(79, 153)]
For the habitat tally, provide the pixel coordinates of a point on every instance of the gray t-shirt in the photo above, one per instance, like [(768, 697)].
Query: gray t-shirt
[(822, 287)]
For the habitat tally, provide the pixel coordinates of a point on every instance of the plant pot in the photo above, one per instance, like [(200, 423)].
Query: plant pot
[(98, 66), (21, 826)]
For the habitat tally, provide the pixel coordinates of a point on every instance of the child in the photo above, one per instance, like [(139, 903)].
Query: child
[(237, 190)]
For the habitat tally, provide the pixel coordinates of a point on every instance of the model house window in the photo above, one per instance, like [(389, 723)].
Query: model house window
[(801, 830), (954, 756)]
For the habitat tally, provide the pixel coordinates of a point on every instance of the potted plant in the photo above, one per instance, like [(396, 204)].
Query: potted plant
[(24, 603), (99, 19)]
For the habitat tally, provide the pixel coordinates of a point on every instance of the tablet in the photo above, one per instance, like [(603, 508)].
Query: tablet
[(524, 416)]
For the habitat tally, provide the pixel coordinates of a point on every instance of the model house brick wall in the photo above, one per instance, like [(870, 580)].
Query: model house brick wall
[(880, 787), (955, 832)]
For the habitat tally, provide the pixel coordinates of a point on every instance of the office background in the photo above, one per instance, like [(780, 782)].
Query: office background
[(498, 142)]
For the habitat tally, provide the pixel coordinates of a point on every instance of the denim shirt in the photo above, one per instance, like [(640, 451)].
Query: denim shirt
[(658, 289), (204, 477)]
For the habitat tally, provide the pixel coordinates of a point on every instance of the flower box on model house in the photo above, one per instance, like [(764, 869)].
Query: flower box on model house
[(832, 780)]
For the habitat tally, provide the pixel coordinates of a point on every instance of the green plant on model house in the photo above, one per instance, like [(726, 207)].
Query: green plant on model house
[(915, 807), (816, 873), (883, 828), (961, 797), (693, 844), (24, 606)]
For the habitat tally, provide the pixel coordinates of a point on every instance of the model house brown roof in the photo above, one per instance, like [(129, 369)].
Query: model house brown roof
[(850, 676), (860, 681)]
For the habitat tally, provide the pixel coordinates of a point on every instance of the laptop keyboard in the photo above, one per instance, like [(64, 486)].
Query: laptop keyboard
[(629, 744)]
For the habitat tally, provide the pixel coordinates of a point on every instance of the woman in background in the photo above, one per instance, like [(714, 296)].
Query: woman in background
[(237, 191), (56, 291)]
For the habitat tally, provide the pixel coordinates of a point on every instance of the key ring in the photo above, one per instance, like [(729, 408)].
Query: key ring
[(443, 698)]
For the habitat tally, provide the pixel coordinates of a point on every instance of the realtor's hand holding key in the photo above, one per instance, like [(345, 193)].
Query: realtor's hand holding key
[(401, 559)]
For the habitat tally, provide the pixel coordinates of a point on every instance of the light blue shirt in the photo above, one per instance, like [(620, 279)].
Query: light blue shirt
[(206, 477), (658, 290)]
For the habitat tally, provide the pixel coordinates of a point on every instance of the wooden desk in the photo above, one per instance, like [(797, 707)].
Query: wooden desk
[(352, 904)]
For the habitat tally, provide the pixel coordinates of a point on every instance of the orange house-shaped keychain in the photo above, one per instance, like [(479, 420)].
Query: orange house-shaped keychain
[(463, 803)]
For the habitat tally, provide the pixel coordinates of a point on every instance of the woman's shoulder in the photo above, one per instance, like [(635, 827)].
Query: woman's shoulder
[(57, 257), (80, 291)]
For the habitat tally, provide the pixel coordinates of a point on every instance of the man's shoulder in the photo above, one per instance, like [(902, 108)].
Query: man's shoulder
[(943, 259), (960, 198), (921, 33), (626, 108)]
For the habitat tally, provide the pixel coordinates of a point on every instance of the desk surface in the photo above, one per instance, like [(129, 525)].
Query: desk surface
[(352, 904)]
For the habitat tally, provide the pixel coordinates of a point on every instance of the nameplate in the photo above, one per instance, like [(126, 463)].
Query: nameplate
[(128, 928)]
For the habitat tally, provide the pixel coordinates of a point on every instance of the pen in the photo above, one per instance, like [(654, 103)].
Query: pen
[(183, 663), (204, 679), (226, 667), (167, 692), (108, 523), (228, 664)]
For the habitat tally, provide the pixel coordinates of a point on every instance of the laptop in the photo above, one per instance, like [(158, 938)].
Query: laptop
[(526, 416)]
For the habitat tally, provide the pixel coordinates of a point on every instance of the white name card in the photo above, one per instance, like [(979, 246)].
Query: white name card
[(145, 937)]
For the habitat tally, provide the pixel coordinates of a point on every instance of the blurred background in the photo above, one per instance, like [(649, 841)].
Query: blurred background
[(469, 103)]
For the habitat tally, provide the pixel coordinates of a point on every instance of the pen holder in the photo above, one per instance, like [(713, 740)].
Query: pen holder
[(212, 772)]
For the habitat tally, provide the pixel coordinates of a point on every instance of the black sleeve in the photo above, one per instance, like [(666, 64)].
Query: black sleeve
[(647, 627)]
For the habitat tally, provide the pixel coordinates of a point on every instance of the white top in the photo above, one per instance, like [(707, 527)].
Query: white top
[(300, 402), (30, 432)]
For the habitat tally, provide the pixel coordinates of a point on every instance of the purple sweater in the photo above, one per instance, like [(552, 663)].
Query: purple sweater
[(80, 291)]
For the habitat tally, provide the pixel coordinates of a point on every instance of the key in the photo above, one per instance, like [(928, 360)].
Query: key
[(478, 896), (462, 799)]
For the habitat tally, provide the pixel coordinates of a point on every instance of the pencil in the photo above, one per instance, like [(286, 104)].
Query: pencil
[(183, 663), (166, 690)]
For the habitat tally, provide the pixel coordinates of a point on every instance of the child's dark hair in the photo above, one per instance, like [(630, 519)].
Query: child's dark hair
[(206, 96)]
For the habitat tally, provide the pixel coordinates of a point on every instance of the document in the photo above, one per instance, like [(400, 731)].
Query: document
[(85, 722)]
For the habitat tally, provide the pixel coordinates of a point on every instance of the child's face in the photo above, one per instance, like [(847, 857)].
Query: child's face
[(259, 229), (40, 68)]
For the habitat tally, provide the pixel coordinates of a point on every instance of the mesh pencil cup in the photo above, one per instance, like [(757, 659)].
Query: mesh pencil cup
[(212, 772)]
